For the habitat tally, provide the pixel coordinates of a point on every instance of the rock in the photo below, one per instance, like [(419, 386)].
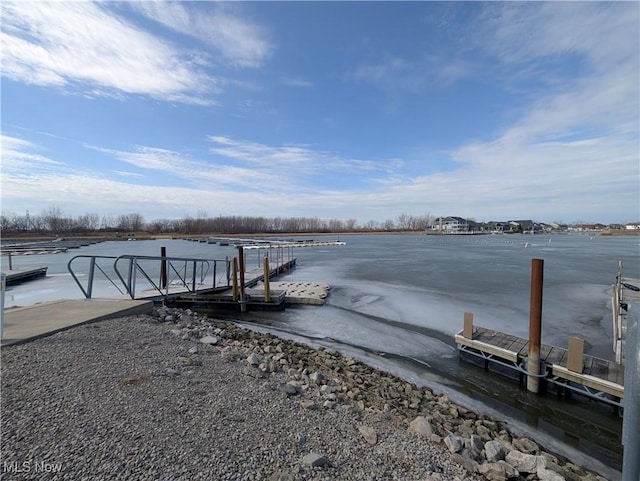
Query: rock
[(525, 463), (193, 350), (548, 475), (454, 443), (526, 446), (289, 389), (493, 451), (176, 332), (421, 427), (172, 372), (329, 404), (369, 435), (474, 443), (314, 459), (308, 404), (317, 377), (254, 359), (499, 471), (469, 464), (209, 340)]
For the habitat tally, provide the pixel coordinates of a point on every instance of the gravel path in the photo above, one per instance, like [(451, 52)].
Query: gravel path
[(130, 399)]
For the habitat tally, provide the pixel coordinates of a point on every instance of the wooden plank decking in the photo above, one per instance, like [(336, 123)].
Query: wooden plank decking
[(600, 374)]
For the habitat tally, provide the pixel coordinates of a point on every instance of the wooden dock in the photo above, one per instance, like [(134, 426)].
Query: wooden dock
[(16, 276), (595, 377)]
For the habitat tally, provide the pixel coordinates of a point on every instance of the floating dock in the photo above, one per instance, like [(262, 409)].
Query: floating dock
[(16, 276), (591, 376), (568, 369)]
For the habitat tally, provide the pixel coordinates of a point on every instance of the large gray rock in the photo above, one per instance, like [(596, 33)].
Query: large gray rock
[(315, 459), (493, 451), (209, 340), (421, 427), (499, 471), (526, 446), (525, 463), (454, 443), (254, 359)]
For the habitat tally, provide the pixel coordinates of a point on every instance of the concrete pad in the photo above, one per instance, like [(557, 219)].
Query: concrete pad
[(28, 323), (313, 293)]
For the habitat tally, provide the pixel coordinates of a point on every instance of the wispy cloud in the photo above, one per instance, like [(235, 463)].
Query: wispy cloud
[(297, 82), (17, 154), (302, 158), (86, 45), (237, 40)]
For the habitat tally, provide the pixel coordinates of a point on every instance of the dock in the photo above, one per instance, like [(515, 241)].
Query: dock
[(593, 377), (625, 291), (16, 276), (24, 324)]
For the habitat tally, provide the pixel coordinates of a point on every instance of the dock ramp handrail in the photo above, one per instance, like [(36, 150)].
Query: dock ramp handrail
[(178, 274)]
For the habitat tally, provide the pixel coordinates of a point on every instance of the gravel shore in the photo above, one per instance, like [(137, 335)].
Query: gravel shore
[(173, 396)]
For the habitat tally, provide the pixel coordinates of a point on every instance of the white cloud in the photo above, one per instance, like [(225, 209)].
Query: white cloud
[(299, 157), (238, 41), (69, 43), (18, 154)]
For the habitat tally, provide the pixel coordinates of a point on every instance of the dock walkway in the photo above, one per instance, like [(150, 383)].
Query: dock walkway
[(23, 274), (596, 377)]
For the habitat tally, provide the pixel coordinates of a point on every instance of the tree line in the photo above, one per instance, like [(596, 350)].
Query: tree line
[(54, 222)]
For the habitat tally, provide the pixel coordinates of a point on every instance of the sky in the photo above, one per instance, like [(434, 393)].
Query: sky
[(336, 110)]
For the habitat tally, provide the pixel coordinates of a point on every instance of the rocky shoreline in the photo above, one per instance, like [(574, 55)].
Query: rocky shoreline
[(176, 395)]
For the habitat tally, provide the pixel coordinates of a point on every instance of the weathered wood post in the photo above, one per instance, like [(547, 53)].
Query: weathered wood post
[(243, 301), (163, 267), (467, 330), (234, 278), (267, 289), (10, 262), (535, 325), (575, 354)]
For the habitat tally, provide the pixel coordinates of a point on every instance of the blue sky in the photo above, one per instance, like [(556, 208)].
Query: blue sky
[(362, 110)]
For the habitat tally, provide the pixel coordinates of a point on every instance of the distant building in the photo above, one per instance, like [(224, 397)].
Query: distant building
[(632, 226), (450, 224)]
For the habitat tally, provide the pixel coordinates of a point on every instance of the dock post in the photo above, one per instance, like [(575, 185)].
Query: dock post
[(163, 267), (243, 301), (234, 278), (535, 325), (467, 330), (267, 289), (10, 262)]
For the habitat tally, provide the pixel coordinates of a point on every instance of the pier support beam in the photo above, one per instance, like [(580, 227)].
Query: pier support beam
[(535, 325), (163, 268), (234, 278), (267, 289), (243, 300)]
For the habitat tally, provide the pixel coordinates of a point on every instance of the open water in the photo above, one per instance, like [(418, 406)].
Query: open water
[(397, 300)]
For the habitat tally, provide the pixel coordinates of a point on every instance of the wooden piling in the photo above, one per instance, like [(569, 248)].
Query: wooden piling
[(467, 330), (535, 325), (163, 268), (243, 301), (575, 355), (234, 278), (267, 289)]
